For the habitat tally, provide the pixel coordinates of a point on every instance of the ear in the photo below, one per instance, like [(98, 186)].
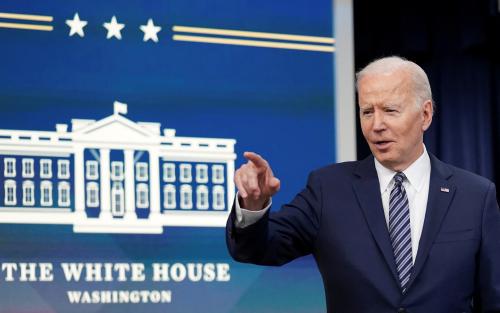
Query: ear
[(427, 112)]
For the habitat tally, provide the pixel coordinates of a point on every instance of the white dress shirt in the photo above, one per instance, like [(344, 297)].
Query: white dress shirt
[(245, 217), (416, 184)]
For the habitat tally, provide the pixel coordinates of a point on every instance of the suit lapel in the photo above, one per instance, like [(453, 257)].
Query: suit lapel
[(367, 190), (441, 193)]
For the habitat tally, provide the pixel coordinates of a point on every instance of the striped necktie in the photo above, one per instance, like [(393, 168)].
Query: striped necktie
[(399, 230)]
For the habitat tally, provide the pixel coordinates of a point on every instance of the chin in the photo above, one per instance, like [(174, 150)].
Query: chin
[(386, 160)]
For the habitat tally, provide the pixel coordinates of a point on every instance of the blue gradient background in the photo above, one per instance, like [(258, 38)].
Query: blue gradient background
[(277, 102)]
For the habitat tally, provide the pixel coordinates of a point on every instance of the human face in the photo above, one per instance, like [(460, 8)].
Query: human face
[(392, 124)]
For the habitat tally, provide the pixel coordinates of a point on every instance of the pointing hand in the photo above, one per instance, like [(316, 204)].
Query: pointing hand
[(255, 182)]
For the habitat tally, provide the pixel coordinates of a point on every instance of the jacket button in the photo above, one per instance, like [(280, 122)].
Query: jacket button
[(402, 310)]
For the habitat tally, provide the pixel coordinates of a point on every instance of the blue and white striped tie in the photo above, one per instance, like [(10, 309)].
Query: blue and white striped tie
[(399, 229)]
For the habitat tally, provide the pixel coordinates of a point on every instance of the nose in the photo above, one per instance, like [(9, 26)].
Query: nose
[(378, 121)]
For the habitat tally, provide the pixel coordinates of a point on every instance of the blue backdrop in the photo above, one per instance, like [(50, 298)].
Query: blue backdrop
[(278, 102)]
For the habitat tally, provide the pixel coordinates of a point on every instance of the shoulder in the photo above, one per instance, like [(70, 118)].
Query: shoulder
[(470, 183), (340, 172), (461, 178), (461, 175)]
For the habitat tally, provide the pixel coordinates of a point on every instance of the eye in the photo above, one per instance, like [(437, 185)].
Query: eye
[(366, 112)]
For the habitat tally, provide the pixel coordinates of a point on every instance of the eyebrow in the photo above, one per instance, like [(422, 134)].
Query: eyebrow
[(365, 105), (392, 106)]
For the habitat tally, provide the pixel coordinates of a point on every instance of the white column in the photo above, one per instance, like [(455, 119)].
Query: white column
[(79, 180), (105, 184), (230, 183), (129, 185), (154, 182), (345, 94)]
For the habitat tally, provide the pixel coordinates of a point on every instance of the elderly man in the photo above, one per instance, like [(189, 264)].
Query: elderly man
[(399, 231)]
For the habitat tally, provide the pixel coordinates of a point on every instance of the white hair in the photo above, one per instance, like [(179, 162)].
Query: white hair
[(421, 87)]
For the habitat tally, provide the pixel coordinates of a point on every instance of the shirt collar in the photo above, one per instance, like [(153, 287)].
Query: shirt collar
[(415, 173)]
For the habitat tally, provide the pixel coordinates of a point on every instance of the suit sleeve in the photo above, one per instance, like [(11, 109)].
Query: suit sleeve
[(489, 255), (279, 237)]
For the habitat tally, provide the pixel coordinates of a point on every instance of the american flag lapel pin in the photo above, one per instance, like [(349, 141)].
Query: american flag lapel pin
[(444, 189)]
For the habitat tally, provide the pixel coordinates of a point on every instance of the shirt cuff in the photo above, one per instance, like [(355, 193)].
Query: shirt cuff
[(245, 217)]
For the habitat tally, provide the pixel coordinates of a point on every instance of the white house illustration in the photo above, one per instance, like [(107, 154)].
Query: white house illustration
[(115, 176)]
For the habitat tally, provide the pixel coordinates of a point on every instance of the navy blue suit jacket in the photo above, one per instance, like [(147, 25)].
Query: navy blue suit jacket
[(339, 218)]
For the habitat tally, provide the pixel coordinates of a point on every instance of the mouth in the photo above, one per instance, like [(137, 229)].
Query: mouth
[(382, 144)]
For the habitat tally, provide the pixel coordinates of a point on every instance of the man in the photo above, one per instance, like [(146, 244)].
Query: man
[(399, 231)]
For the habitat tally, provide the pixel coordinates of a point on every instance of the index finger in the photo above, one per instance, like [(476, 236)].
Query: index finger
[(255, 159)]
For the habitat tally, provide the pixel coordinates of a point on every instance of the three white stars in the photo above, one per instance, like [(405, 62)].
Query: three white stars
[(114, 28), (76, 25), (150, 31)]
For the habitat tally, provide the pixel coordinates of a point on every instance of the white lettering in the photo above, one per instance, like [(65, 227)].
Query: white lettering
[(135, 297), (74, 296), (93, 272), (72, 271), (121, 272), (178, 272), (155, 296), (195, 271), (46, 272), (27, 271), (119, 296), (122, 269), (105, 297), (86, 297), (9, 268), (108, 271), (138, 272), (223, 272), (209, 272), (160, 272)]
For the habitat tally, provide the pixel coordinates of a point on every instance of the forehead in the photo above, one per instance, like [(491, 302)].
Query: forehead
[(381, 87)]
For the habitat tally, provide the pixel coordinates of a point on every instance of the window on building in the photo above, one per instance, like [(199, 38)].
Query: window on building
[(141, 171), (185, 174), (28, 168), (92, 195), (9, 167), (169, 197), (217, 174), (46, 193), (218, 198), (28, 192), (46, 168), (202, 173), (142, 196), (117, 170), (63, 169), (91, 171), (63, 194), (117, 203), (186, 197), (202, 197), (10, 192), (169, 172)]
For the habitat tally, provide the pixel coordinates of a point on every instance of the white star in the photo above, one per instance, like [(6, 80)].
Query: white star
[(150, 31), (76, 26), (114, 28)]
